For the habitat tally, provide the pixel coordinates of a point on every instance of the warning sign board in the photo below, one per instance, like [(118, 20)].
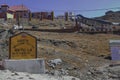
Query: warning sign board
[(22, 46)]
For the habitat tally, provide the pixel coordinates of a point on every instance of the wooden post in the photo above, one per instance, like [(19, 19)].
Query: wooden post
[(76, 25), (41, 16), (18, 19), (52, 15), (30, 16), (66, 16), (5, 16)]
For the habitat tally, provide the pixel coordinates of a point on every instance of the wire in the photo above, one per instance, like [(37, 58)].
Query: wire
[(102, 9), (98, 9)]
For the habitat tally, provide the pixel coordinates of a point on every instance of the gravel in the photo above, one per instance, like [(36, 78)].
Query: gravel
[(8, 75)]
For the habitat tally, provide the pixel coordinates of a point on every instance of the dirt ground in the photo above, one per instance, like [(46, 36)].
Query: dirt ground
[(78, 51)]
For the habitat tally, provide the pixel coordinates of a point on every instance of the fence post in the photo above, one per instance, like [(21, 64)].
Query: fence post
[(30, 16), (5, 16), (41, 16), (18, 18), (76, 25), (52, 15), (66, 16)]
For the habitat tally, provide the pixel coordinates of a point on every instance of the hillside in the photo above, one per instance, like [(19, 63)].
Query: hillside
[(112, 16), (79, 52)]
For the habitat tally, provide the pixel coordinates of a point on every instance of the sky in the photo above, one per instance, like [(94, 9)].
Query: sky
[(61, 6)]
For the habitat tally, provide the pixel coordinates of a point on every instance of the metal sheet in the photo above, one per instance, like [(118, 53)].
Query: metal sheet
[(115, 52)]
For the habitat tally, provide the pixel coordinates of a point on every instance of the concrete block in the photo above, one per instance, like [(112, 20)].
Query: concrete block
[(36, 66)]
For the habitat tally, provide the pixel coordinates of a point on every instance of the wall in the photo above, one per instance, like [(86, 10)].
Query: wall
[(10, 16)]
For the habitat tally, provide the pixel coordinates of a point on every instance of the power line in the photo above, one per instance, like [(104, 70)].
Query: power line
[(99, 9), (102, 9)]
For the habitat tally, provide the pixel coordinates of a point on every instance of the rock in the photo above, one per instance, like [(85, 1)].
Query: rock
[(51, 72), (57, 73), (114, 65), (5, 24), (73, 79), (63, 72), (17, 27), (31, 78), (15, 74), (89, 73), (21, 78), (8, 78), (24, 76), (1, 65), (54, 63)]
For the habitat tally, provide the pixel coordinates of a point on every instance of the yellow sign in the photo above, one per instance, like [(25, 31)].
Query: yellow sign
[(23, 46)]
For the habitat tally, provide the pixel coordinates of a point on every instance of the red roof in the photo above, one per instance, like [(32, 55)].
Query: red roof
[(18, 8)]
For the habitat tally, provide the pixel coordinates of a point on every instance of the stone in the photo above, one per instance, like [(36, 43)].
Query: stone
[(73, 79), (20, 78), (89, 73), (1, 65), (54, 62), (57, 73), (26, 65), (15, 74)]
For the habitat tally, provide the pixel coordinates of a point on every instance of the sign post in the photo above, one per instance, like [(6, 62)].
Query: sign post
[(23, 54), (23, 46)]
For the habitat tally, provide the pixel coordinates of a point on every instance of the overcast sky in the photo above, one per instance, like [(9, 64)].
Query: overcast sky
[(60, 6)]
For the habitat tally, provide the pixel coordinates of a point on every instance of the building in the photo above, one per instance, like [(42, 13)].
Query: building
[(3, 10), (43, 15), (14, 11), (20, 11)]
